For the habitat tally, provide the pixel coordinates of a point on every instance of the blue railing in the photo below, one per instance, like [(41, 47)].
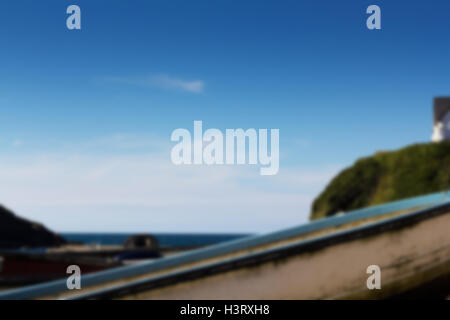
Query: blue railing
[(60, 286)]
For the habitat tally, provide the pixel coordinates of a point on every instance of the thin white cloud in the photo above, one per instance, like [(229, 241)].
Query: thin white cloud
[(162, 81), (147, 193), (17, 143), (126, 142)]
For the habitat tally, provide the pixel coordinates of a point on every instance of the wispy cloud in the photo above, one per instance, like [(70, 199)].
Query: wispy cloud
[(17, 143), (124, 142), (87, 192), (126, 182), (163, 81)]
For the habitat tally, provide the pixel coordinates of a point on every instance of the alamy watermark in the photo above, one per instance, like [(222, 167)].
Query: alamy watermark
[(374, 281), (74, 280), (214, 147), (373, 22), (73, 22)]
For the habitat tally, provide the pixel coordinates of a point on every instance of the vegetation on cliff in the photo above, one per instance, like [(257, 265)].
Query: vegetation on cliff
[(387, 176)]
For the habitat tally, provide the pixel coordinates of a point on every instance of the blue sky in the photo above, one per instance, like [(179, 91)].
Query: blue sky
[(106, 99)]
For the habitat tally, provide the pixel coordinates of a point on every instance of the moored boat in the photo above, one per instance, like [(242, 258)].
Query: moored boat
[(325, 259)]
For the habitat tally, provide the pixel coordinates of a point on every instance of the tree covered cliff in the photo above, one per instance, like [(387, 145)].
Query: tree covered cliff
[(387, 176)]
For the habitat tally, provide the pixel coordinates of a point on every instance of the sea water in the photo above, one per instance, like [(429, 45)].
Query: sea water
[(178, 240)]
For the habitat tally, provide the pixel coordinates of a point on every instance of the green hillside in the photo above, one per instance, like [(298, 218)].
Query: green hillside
[(387, 176)]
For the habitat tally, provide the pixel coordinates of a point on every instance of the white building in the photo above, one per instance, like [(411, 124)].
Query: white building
[(441, 128)]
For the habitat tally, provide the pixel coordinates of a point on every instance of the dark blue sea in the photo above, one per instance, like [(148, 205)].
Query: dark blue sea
[(178, 240)]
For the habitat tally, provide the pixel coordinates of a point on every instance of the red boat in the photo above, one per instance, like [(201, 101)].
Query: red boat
[(24, 268)]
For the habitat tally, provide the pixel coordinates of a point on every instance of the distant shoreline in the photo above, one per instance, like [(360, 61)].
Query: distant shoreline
[(164, 239)]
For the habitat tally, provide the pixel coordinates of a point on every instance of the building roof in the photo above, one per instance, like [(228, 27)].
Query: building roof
[(441, 108)]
